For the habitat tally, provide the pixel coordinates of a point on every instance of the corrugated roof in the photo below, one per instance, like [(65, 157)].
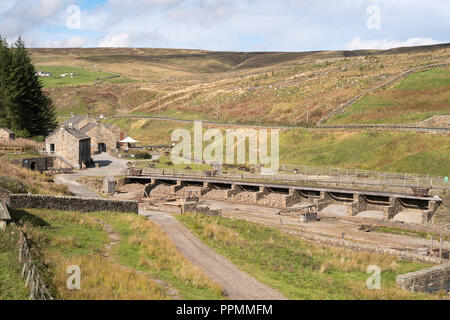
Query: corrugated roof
[(4, 213), (88, 128)]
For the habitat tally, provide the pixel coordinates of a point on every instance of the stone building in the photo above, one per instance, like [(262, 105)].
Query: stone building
[(70, 146), (104, 137), (6, 134)]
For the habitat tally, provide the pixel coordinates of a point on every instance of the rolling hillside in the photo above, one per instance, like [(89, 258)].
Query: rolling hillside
[(416, 98), (261, 87)]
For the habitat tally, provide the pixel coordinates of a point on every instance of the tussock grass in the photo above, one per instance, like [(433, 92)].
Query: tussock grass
[(103, 280), (12, 286), (21, 180), (22, 142), (301, 269), (146, 247), (62, 239)]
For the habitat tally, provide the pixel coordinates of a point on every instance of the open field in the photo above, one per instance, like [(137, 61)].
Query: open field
[(269, 87), (121, 256), (296, 268), (407, 152), (414, 99), (76, 76)]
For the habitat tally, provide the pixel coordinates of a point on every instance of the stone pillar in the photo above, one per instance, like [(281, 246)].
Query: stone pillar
[(428, 214), (358, 205), (324, 201), (293, 198), (149, 187), (235, 189), (206, 188), (393, 209), (262, 192), (178, 186)]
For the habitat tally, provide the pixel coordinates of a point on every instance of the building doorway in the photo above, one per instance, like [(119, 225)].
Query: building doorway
[(101, 147), (33, 166), (52, 147)]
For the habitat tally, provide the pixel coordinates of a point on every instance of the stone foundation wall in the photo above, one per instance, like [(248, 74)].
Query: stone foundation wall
[(394, 208), (365, 247), (431, 279), (358, 205), (31, 201), (202, 209)]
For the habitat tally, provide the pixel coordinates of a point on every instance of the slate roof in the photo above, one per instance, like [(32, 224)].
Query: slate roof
[(88, 128), (77, 134), (74, 120), (6, 130)]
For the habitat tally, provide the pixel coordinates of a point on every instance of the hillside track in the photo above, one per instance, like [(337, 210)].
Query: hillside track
[(237, 284), (352, 127)]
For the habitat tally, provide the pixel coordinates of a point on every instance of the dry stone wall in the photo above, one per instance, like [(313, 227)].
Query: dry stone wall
[(30, 201), (431, 279)]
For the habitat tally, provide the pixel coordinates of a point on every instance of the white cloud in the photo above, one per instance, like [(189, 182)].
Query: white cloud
[(383, 44), (115, 40)]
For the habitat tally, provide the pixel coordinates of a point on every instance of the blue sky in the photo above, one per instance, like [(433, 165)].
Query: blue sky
[(232, 25)]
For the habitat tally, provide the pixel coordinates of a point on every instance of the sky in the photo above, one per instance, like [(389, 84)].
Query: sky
[(227, 25)]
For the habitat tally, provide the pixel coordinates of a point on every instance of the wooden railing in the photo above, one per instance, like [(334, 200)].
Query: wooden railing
[(327, 175), (34, 282)]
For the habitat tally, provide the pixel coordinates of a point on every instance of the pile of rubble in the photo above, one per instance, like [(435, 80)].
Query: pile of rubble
[(245, 196), (272, 200), (161, 189), (216, 194)]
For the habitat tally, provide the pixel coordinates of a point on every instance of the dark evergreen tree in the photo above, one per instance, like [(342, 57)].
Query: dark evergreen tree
[(28, 111), (5, 65)]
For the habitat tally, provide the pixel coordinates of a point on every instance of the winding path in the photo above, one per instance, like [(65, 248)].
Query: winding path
[(237, 284)]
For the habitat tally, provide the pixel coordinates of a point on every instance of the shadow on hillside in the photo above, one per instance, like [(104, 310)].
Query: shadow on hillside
[(23, 217)]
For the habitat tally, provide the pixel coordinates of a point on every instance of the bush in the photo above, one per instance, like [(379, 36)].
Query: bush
[(143, 156)]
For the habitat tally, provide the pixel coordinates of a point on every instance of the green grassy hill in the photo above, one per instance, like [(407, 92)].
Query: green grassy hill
[(407, 152), (414, 99)]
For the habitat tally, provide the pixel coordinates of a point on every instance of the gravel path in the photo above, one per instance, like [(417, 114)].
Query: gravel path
[(237, 284)]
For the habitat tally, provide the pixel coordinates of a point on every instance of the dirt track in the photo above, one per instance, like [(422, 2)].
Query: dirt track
[(237, 284)]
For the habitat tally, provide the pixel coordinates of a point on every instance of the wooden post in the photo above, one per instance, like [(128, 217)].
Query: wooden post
[(440, 247)]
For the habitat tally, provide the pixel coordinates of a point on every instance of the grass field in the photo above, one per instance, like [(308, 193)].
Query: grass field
[(143, 264), (12, 285), (407, 152), (299, 269), (416, 98), (81, 76)]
